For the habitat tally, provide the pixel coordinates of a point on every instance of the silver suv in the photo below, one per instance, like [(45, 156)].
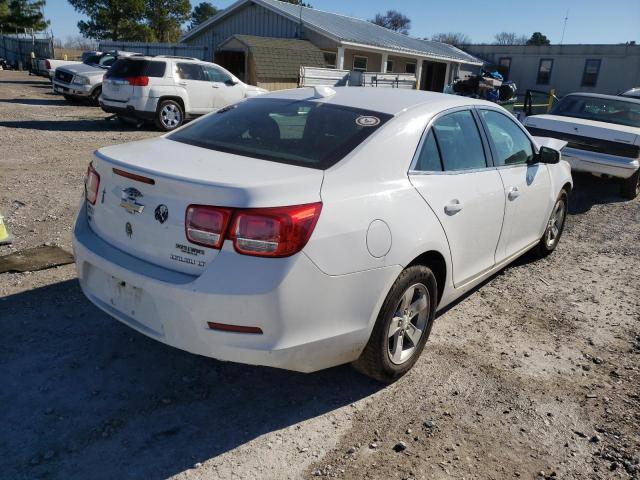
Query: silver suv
[(167, 90), (84, 80)]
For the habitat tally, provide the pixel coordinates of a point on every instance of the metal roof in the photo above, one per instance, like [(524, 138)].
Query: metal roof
[(352, 32)]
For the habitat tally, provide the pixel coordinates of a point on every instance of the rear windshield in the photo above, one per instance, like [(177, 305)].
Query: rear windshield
[(134, 68), (608, 110), (305, 133)]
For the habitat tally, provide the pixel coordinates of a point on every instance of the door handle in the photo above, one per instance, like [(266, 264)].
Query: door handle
[(453, 207), (215, 86), (513, 193), (184, 84)]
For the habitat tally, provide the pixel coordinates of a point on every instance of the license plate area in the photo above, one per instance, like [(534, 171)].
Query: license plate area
[(128, 303)]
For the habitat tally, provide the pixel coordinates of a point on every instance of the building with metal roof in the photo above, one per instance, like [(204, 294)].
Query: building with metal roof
[(347, 43)]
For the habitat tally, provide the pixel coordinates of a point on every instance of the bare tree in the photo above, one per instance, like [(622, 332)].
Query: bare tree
[(509, 38), (79, 42), (393, 20), (456, 39)]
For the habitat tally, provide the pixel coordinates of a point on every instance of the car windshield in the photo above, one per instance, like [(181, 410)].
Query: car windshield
[(608, 110), (306, 133)]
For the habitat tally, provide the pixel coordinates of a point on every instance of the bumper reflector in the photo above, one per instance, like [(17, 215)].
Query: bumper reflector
[(234, 328)]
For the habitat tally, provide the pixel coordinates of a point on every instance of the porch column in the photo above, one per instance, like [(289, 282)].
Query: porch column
[(447, 73), (383, 67), (418, 72), (340, 59)]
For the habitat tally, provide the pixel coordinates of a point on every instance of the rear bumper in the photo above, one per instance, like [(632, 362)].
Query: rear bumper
[(600, 163), (310, 320), (127, 111)]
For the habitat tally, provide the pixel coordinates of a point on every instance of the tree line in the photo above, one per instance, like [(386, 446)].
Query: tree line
[(398, 22)]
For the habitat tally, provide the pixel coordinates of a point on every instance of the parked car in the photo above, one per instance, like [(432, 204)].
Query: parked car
[(603, 135), (633, 93), (313, 227), (46, 67), (84, 80), (167, 90)]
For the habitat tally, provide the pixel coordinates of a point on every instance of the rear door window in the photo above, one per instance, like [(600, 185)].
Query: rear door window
[(297, 132), (190, 71), (459, 141)]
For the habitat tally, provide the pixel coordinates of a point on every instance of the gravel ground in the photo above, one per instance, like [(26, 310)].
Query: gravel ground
[(535, 374)]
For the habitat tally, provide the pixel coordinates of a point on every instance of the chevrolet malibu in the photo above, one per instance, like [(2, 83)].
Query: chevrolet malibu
[(314, 227)]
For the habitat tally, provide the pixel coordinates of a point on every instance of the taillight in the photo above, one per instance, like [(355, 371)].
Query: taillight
[(274, 232), (140, 81), (207, 225), (91, 184), (47, 64), (262, 232)]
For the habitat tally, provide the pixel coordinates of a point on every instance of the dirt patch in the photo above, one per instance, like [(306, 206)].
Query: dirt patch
[(535, 371)]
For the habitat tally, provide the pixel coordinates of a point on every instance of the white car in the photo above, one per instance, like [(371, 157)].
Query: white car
[(46, 67), (167, 90), (633, 93), (84, 80), (603, 135), (313, 227)]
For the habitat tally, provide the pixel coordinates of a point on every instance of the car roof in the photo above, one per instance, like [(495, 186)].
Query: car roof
[(606, 97), (391, 101)]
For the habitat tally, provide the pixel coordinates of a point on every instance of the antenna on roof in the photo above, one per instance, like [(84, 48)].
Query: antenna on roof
[(564, 28)]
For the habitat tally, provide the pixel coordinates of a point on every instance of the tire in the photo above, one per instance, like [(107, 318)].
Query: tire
[(169, 115), (95, 96), (630, 187), (381, 359), (555, 226)]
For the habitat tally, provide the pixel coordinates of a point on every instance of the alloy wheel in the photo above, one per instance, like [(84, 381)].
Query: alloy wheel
[(171, 115), (408, 323), (554, 227)]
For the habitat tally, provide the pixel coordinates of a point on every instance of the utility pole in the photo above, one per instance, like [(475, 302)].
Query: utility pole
[(564, 28)]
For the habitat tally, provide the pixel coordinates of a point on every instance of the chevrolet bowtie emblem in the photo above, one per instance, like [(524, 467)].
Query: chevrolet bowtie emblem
[(130, 200)]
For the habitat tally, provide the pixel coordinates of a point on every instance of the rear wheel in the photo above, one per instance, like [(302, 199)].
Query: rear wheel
[(169, 115), (403, 326), (555, 226), (630, 187)]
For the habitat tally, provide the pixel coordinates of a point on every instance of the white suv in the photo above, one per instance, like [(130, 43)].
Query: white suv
[(167, 90)]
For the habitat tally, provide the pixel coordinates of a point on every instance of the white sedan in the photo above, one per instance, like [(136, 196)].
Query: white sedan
[(314, 227)]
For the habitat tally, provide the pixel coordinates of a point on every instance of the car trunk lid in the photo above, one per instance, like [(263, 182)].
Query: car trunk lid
[(587, 134), (146, 187)]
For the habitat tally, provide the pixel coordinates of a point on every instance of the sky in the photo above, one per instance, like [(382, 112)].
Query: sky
[(590, 21)]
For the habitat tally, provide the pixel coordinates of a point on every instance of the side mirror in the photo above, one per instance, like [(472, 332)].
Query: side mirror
[(547, 155), (230, 82)]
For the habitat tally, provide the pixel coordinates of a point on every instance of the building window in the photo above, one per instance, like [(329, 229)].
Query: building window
[(504, 63), (544, 71), (410, 68), (329, 59), (360, 63), (389, 66), (591, 71)]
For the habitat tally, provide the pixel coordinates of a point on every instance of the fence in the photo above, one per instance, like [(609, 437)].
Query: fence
[(314, 76), (175, 49), (16, 49), (389, 80)]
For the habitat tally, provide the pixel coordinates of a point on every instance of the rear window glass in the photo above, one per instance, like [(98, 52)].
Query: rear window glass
[(134, 68), (608, 110), (306, 133)]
